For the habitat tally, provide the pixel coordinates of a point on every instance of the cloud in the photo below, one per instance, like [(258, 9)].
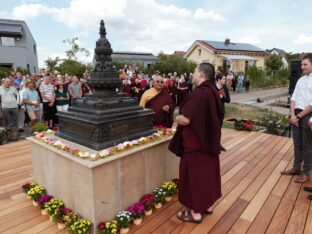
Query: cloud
[(207, 15), (303, 39), (32, 10), (250, 39)]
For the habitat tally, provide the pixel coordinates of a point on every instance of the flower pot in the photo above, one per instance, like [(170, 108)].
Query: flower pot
[(148, 212), (28, 197), (158, 205), (44, 212), (61, 226), (51, 218), (35, 203), (168, 199), (137, 221), (124, 230)]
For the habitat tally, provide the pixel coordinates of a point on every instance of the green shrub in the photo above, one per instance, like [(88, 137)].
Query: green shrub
[(39, 127)]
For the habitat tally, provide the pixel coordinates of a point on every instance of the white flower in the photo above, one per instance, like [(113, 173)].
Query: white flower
[(135, 142), (104, 153), (143, 139), (120, 146), (157, 134), (127, 143)]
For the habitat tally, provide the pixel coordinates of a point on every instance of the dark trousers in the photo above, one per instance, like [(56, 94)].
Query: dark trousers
[(302, 137), (10, 118)]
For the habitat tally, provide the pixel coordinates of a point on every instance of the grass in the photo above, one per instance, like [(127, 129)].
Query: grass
[(241, 111)]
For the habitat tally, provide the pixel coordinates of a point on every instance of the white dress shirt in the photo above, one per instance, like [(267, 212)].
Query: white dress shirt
[(303, 92)]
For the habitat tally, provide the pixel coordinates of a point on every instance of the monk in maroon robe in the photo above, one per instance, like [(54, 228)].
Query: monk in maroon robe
[(158, 99), (200, 179)]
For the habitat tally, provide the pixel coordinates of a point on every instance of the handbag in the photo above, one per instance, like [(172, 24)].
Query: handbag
[(175, 145)]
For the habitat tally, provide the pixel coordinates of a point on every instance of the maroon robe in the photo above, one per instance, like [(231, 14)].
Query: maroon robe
[(157, 103), (182, 93), (200, 179)]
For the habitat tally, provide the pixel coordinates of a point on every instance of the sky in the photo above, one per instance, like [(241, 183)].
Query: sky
[(163, 25)]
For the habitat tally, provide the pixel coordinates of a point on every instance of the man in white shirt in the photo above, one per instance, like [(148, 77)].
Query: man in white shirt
[(301, 113), (8, 97)]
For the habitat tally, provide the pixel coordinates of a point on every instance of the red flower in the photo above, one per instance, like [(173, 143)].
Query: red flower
[(101, 226)]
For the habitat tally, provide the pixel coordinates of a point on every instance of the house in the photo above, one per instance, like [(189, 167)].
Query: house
[(18, 48), (179, 53), (226, 55), (282, 53), (144, 58)]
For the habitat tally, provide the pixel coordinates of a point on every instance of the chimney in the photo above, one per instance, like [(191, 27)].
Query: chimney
[(227, 41)]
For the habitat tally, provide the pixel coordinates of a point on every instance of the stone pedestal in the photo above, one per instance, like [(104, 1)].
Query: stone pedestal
[(99, 189)]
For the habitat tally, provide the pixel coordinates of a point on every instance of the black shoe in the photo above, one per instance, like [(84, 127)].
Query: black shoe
[(310, 197), (308, 189), (20, 130)]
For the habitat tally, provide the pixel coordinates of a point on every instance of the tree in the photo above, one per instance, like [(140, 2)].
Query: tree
[(273, 62), (172, 63), (71, 53), (52, 63), (72, 67)]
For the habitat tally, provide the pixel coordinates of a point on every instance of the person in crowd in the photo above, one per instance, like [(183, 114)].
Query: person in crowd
[(48, 99), (136, 90), (199, 129), (32, 102), (9, 107), (61, 97), (301, 112), (74, 88), (240, 81), (190, 83), (247, 83), (159, 100), (229, 80), (126, 87), (21, 113), (182, 90), (224, 96), (173, 91), (84, 87), (234, 83), (18, 80)]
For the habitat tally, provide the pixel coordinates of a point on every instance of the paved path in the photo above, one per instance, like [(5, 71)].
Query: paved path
[(243, 97)]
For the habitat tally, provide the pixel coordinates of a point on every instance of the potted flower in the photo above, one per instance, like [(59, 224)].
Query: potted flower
[(58, 217), (123, 219), (137, 212), (170, 188), (81, 226), (35, 193), (42, 201), (70, 219), (160, 195), (3, 136), (26, 187), (148, 200), (52, 205), (108, 227)]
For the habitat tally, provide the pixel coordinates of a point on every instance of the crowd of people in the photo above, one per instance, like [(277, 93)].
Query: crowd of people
[(29, 99)]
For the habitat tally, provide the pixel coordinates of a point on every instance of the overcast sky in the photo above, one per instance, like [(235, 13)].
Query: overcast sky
[(163, 25)]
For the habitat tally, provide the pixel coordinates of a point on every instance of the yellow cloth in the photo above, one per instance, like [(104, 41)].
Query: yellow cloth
[(148, 95)]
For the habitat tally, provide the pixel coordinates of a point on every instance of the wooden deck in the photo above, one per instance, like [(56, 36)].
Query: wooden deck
[(256, 198)]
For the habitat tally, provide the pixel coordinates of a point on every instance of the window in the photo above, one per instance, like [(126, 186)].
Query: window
[(35, 49), (7, 41), (199, 52)]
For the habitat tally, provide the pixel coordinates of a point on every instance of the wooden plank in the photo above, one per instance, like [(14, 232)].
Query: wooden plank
[(25, 225), (39, 227), (227, 201), (230, 217), (280, 219), (264, 217), (308, 225), (299, 214)]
